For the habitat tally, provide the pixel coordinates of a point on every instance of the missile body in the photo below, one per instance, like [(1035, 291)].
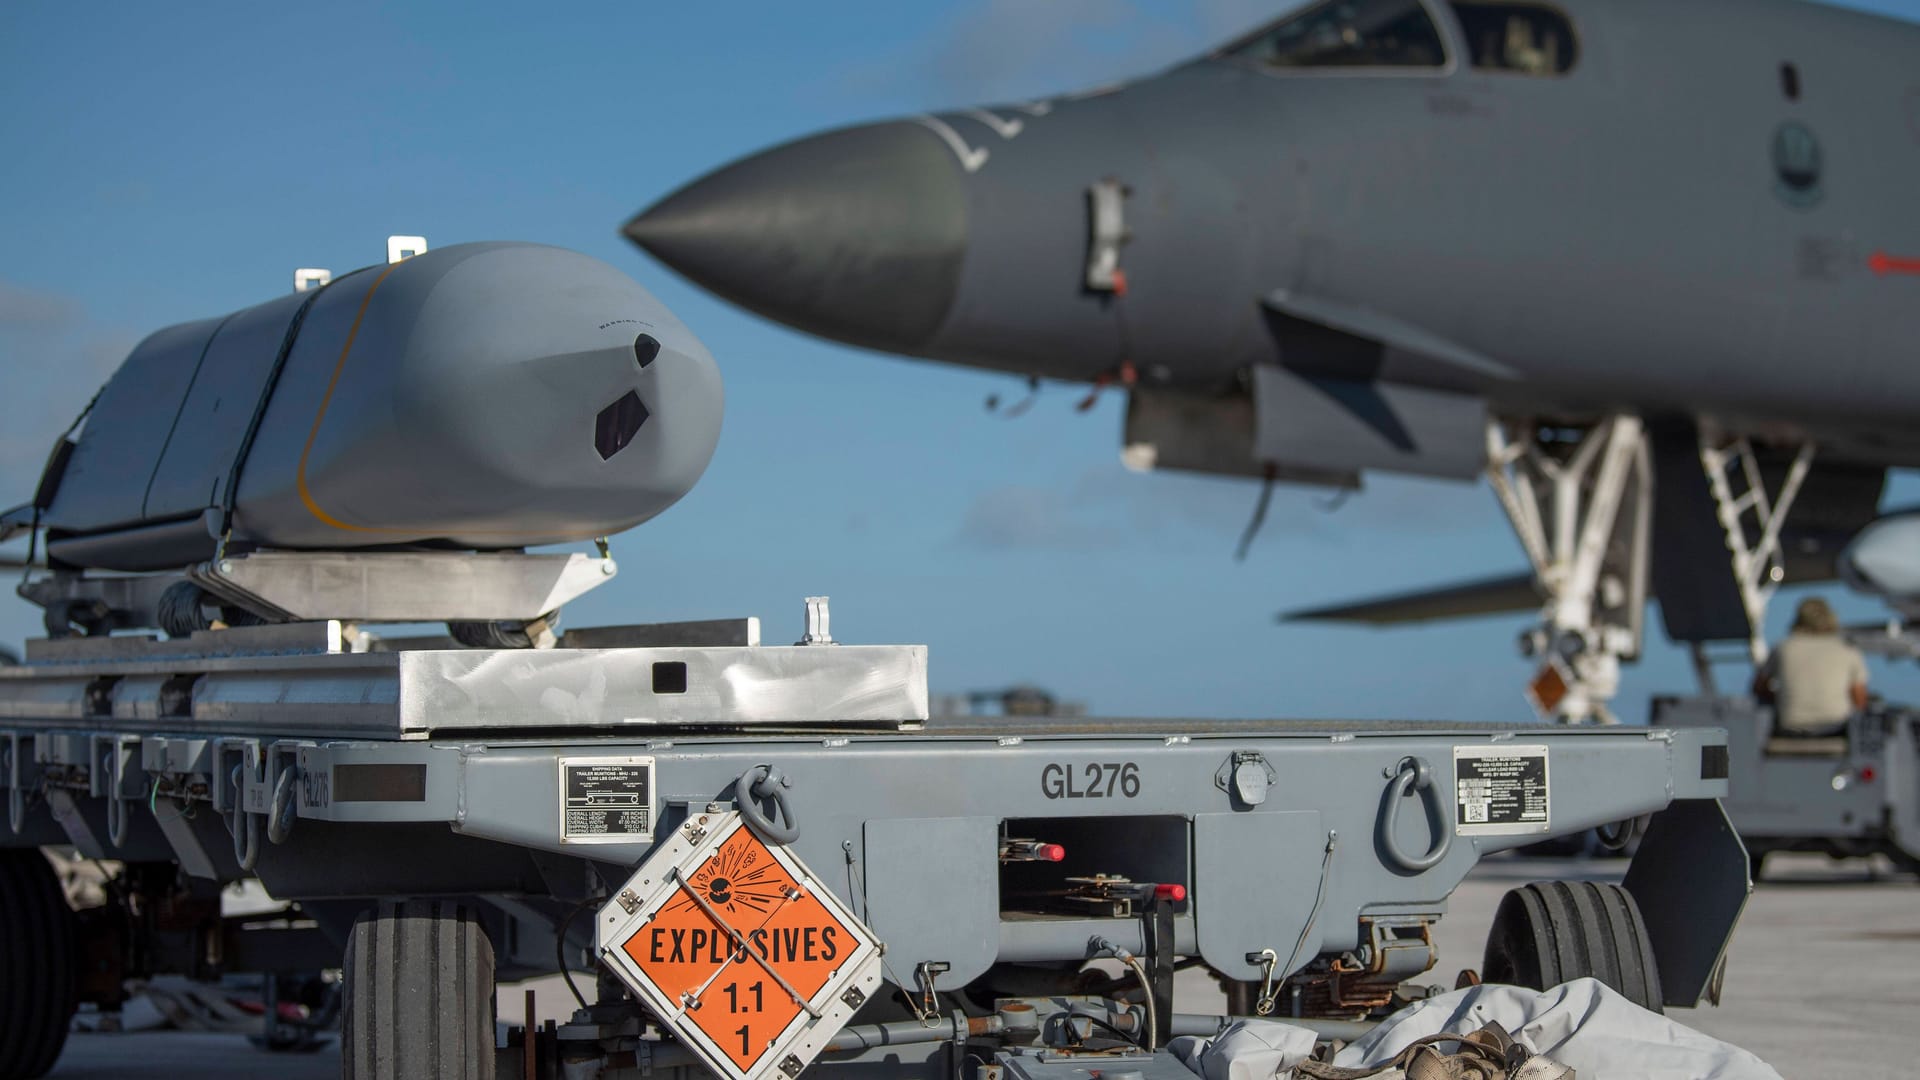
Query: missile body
[(482, 396), (1883, 560)]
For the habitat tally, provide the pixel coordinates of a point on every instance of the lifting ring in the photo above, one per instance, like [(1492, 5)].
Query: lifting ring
[(766, 782), (16, 796), (1615, 835), (280, 819), (1413, 773), (118, 818), (245, 827)]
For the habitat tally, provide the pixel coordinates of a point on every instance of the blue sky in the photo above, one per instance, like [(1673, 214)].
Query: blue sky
[(166, 162)]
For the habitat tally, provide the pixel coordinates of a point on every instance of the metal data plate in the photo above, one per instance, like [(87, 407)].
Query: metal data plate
[(1502, 789), (606, 800), (738, 949)]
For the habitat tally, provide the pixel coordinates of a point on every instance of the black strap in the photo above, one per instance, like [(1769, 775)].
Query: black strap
[(240, 456), (50, 476)]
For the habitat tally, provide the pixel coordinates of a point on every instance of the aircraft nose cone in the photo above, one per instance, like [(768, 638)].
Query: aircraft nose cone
[(855, 235)]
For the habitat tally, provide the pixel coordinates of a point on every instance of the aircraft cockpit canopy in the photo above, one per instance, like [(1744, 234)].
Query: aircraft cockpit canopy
[(1501, 35), (1349, 34), (1527, 39)]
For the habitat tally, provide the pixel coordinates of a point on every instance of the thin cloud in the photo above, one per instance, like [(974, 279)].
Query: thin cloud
[(1030, 519), (52, 359), (30, 310), (1018, 50)]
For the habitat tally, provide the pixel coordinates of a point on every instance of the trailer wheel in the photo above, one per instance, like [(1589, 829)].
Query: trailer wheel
[(418, 989), (37, 960), (1551, 931)]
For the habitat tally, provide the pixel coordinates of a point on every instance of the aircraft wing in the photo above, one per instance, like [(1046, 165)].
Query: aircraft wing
[(1487, 596)]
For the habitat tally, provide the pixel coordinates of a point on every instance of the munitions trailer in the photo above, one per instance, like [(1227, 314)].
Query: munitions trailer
[(775, 861)]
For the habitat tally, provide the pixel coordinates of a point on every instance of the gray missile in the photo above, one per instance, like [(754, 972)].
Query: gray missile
[(1883, 560), (481, 396)]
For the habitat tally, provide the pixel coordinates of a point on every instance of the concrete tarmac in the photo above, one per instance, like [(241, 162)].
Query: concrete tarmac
[(1823, 980)]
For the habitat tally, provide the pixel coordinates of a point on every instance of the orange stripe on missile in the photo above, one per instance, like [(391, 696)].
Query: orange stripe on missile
[(300, 475)]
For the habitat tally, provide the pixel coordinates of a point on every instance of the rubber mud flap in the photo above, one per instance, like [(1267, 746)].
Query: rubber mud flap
[(1691, 880)]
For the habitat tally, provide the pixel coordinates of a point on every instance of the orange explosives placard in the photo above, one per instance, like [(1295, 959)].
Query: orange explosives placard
[(727, 989), (740, 950)]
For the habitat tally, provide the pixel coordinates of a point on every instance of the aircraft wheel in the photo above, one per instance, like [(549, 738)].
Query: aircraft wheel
[(1549, 932), (418, 997), (1756, 861), (182, 610), (37, 965)]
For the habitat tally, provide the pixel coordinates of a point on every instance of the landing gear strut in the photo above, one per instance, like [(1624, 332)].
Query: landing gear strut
[(1580, 500), (1581, 504)]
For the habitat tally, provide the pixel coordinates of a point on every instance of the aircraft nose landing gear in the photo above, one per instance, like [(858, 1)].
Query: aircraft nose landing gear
[(1581, 503)]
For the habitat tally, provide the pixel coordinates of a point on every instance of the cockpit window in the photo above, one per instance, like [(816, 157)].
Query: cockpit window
[(1348, 34), (1523, 38)]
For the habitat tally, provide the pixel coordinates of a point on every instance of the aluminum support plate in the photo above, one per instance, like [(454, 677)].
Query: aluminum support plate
[(402, 587)]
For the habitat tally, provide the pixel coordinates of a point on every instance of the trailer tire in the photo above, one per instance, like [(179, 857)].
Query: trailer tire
[(38, 957), (418, 994), (1549, 932)]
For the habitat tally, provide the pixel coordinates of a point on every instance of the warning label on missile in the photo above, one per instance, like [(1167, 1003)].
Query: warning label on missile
[(1501, 789), (606, 800)]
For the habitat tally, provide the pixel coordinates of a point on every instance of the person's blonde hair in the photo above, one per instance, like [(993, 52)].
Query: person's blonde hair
[(1814, 616)]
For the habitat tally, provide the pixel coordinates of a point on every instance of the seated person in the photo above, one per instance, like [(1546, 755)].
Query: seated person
[(1814, 679)]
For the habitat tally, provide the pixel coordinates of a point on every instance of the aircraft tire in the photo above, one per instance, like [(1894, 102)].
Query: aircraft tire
[(38, 958), (1549, 932), (418, 989)]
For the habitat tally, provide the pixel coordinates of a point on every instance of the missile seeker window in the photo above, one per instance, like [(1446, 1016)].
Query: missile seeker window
[(1348, 34), (1524, 38)]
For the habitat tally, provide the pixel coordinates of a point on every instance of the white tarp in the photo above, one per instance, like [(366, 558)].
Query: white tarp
[(1582, 1023)]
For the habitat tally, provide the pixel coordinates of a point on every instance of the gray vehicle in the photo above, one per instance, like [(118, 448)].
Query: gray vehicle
[(1652, 268), (1849, 795), (769, 856)]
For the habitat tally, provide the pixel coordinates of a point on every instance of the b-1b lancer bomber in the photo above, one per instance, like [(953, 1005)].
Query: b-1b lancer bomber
[(1652, 268)]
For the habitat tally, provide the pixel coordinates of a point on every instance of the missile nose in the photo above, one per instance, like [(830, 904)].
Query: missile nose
[(855, 235)]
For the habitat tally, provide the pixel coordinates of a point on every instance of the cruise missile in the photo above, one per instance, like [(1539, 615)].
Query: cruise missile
[(1883, 560), (482, 397)]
